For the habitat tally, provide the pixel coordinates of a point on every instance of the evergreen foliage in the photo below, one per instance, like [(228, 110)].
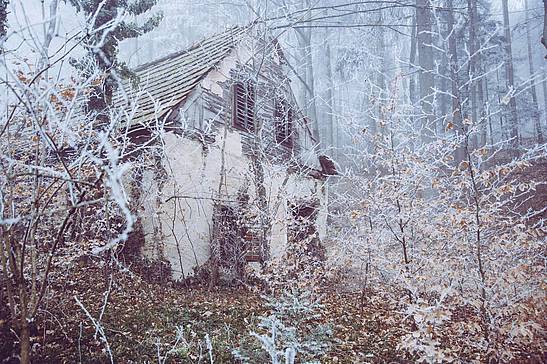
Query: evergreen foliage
[(106, 55), (291, 330)]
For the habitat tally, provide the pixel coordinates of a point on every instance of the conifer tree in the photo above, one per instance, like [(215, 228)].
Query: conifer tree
[(106, 56)]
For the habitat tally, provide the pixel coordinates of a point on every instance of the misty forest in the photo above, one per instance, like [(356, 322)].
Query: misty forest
[(273, 181)]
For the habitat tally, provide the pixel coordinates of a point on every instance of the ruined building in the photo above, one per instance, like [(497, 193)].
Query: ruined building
[(239, 175)]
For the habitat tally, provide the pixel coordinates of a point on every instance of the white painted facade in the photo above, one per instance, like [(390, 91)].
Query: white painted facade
[(178, 206), (178, 219)]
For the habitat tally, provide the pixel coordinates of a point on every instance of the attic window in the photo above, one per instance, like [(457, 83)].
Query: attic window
[(244, 106), (283, 115)]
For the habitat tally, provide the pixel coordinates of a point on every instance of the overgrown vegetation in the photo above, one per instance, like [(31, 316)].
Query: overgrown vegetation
[(142, 318), (436, 244)]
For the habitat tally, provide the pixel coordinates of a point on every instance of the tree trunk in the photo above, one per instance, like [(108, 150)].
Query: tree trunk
[(489, 118), (456, 104), (510, 77), (304, 37), (330, 95), (444, 69), (503, 131), (481, 87), (24, 341), (380, 76), (544, 86), (412, 59), (311, 83), (471, 11), (476, 91), (308, 92), (533, 90), (49, 33), (425, 60), (544, 37), (262, 197)]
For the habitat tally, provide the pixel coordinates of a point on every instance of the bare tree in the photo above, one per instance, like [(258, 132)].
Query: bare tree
[(61, 173)]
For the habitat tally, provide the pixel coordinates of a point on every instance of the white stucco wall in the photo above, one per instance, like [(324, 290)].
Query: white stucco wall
[(178, 222)]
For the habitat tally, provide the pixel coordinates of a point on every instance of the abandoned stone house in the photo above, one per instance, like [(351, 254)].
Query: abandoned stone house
[(240, 175)]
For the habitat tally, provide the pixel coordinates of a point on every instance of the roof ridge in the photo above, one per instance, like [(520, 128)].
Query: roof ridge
[(194, 45)]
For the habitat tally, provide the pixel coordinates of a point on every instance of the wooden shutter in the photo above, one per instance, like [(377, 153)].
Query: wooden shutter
[(288, 127), (283, 123), (244, 106), (250, 104)]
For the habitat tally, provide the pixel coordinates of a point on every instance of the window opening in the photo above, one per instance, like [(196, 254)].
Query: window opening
[(283, 116), (244, 106)]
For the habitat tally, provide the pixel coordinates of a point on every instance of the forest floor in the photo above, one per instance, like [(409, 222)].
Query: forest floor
[(141, 320), (142, 317)]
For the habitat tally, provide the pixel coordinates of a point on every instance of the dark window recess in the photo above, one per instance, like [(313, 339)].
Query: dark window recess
[(304, 215), (244, 106), (226, 234), (283, 116), (252, 237), (303, 229)]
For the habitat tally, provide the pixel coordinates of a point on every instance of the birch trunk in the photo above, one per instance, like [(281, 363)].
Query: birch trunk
[(445, 99)]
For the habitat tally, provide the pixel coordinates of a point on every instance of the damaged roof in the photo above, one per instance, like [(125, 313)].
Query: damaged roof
[(168, 81)]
